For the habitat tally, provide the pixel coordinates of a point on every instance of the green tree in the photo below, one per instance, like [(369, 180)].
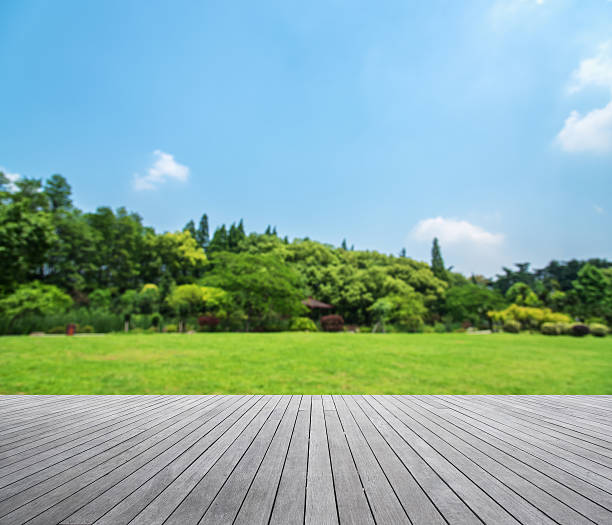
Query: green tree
[(190, 227), (522, 295), (26, 235), (201, 235), (471, 302), (34, 298), (58, 190), (186, 300), (261, 286), (437, 263), (593, 291), (219, 241)]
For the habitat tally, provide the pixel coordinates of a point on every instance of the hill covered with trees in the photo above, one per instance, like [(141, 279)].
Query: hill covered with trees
[(105, 270)]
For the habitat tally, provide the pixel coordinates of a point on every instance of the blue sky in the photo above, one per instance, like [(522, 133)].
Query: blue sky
[(488, 124)]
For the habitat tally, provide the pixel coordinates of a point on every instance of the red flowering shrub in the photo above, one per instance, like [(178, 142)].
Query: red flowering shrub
[(332, 323)]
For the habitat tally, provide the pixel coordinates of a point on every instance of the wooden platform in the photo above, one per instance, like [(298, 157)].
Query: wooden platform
[(315, 459)]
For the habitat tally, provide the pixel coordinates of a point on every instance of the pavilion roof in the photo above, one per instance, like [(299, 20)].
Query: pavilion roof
[(313, 303)]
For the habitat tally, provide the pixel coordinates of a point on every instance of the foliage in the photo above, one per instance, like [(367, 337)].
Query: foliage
[(171, 328), (332, 323), (437, 263), (108, 261), (512, 327), (57, 330), (521, 294), (529, 317), (439, 328), (303, 324), (471, 302), (549, 328), (579, 329), (209, 321), (187, 299), (34, 298), (598, 330), (259, 286), (592, 291)]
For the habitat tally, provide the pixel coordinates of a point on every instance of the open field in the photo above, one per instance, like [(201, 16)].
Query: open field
[(286, 363)]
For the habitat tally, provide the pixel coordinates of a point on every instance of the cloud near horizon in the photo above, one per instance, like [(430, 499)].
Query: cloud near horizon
[(591, 132), (452, 231), (164, 168)]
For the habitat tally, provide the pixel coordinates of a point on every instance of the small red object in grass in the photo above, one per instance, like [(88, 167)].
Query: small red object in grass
[(70, 329)]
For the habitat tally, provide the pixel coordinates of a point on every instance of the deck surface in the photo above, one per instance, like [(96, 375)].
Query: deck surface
[(305, 459)]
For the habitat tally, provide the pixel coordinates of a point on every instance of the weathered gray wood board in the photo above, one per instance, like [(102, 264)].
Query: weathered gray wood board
[(76, 460)]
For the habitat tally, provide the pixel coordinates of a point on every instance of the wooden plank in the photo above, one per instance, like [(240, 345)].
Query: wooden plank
[(413, 499), (386, 508), (80, 459), (550, 454), (320, 495), (233, 443), (447, 502), (258, 504), (305, 459), (38, 458), (485, 507), (64, 500), (290, 503), (54, 445), (550, 496), (229, 500), (138, 484), (352, 503)]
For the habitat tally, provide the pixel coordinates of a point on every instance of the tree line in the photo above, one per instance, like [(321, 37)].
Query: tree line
[(105, 269)]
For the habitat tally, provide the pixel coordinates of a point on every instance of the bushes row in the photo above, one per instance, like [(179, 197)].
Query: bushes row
[(575, 329)]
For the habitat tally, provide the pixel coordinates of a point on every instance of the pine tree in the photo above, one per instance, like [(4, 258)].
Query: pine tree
[(437, 263), (343, 245), (190, 227), (201, 234), (402, 253), (219, 242), (236, 236)]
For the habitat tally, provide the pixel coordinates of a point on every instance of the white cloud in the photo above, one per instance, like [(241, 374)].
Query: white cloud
[(12, 177), (598, 209), (594, 71), (451, 231), (591, 132), (164, 168)]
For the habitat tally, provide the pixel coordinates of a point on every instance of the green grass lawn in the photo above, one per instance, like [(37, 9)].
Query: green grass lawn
[(283, 363)]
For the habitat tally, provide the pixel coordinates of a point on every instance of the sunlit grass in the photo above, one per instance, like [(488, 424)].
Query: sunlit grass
[(306, 363)]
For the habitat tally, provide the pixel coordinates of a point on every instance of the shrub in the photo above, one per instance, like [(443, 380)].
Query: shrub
[(512, 327), (598, 329), (332, 323), (57, 330), (529, 317), (439, 328), (208, 321), (170, 328), (428, 329), (365, 329), (579, 329), (565, 328), (302, 324), (550, 329), (85, 329)]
